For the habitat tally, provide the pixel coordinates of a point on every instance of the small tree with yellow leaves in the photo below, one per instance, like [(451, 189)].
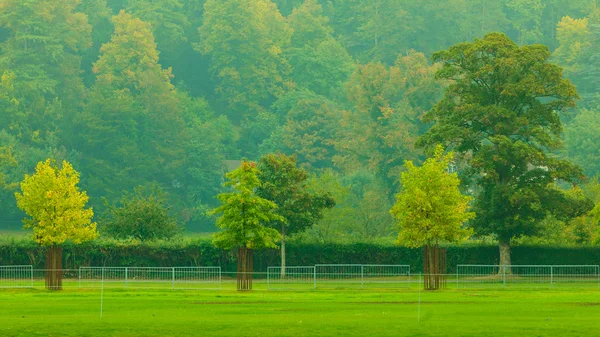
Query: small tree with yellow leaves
[(430, 209), (56, 207)]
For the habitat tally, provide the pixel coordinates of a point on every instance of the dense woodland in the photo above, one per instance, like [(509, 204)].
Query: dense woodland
[(146, 94)]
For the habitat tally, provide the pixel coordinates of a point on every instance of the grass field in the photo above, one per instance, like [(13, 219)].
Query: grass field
[(300, 313)]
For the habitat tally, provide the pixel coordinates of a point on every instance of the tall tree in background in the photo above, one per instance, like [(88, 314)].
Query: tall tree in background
[(169, 24), (244, 220), (320, 63), (245, 40), (525, 17), (430, 208), (582, 141), (41, 89), (56, 207), (99, 17), (579, 41), (310, 128), (501, 113), (134, 131), (283, 183), (380, 130), (6, 160)]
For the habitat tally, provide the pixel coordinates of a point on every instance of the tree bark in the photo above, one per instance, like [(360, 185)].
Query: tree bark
[(54, 268), (505, 261), (244, 269), (282, 251)]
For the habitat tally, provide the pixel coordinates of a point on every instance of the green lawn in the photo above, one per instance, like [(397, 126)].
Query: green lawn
[(472, 312)]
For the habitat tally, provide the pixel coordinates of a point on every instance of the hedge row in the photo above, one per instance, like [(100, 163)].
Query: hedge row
[(203, 253)]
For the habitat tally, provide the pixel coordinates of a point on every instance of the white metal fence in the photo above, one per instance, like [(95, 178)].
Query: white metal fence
[(16, 276), (527, 275), (305, 277), (339, 276), (296, 277), (150, 277)]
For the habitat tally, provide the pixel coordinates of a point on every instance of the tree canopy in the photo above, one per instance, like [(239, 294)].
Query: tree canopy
[(56, 207), (430, 207), (500, 112), (244, 214)]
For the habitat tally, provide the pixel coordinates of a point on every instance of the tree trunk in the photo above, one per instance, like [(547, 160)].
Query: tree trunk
[(505, 262), (53, 275), (244, 269), (282, 254)]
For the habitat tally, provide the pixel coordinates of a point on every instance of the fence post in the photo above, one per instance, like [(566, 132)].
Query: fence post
[(362, 276), (456, 277), (504, 275), (598, 275), (173, 279), (408, 277), (315, 276), (551, 276), (78, 275), (102, 293), (32, 276), (126, 278)]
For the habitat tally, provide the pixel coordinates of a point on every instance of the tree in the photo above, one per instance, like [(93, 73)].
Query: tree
[(285, 184), (430, 208), (526, 16), (380, 130), (169, 24), (142, 215), (56, 207), (578, 42), (309, 131), (501, 114), (319, 62), (244, 219), (134, 130), (6, 159), (245, 40), (42, 50), (582, 141), (334, 220)]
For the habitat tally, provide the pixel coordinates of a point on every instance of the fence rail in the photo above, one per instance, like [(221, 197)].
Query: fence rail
[(16, 276), (322, 276), (529, 275), (143, 277)]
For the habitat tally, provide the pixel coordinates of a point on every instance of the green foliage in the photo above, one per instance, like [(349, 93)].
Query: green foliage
[(55, 205), (309, 131), (320, 63), (430, 207), (141, 215), (283, 183), (184, 251), (380, 130), (244, 213), (578, 41), (582, 141), (133, 121), (342, 84), (500, 113), (245, 40)]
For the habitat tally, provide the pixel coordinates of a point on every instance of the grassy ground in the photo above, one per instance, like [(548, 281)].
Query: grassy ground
[(300, 313)]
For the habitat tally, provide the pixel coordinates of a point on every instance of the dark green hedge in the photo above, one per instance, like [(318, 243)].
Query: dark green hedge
[(203, 253)]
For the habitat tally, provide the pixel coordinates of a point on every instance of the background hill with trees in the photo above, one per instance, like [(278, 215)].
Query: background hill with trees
[(162, 95)]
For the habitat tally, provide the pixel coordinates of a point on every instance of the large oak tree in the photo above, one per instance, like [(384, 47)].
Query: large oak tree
[(501, 113)]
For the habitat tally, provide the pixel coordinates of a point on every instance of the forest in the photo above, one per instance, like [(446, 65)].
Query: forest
[(145, 95)]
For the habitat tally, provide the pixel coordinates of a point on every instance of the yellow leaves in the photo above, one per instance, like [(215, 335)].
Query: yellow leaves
[(56, 206), (430, 205)]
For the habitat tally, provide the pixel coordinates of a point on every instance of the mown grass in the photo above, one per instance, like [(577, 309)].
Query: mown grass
[(355, 312)]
